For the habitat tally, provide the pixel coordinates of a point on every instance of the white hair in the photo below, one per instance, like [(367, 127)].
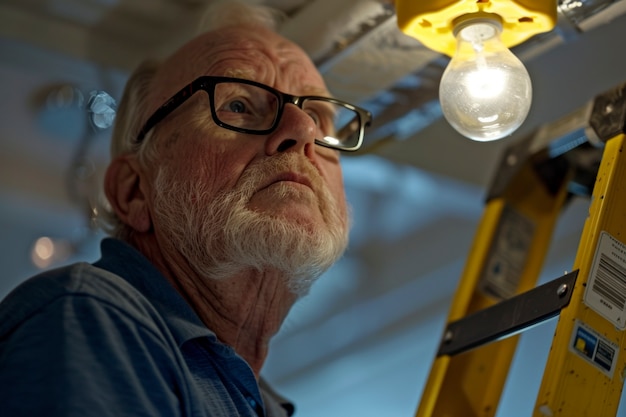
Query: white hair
[(223, 13), (219, 236)]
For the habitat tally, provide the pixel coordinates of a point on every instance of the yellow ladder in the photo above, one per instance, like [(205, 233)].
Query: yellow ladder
[(497, 296)]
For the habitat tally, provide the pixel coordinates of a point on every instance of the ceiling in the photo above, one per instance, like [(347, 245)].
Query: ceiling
[(363, 340)]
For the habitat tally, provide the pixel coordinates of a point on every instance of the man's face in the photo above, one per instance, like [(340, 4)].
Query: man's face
[(228, 200)]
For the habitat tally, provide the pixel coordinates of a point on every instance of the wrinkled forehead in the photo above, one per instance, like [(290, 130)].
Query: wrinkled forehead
[(250, 52)]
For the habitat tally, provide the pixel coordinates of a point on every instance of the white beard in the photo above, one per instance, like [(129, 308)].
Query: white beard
[(219, 236)]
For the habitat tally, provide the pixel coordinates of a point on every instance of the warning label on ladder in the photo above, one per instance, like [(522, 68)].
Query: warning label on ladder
[(594, 348), (507, 256), (606, 285)]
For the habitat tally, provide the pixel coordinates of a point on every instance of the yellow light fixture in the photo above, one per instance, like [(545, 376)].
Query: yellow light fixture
[(485, 92)]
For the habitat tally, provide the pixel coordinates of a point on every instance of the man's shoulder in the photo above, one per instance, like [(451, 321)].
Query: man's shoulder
[(79, 282)]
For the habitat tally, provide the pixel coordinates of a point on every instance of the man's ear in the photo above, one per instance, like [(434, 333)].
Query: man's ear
[(125, 186)]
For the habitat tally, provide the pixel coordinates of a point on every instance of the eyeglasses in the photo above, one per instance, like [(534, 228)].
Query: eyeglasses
[(249, 107)]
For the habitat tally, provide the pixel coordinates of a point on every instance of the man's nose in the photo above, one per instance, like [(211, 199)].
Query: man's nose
[(296, 132)]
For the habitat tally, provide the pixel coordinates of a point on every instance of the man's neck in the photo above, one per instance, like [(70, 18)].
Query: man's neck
[(245, 311)]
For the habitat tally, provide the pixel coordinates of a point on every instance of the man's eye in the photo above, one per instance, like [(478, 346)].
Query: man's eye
[(236, 106), (316, 118)]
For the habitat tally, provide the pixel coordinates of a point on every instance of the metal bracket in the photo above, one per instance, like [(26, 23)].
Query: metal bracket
[(508, 317)]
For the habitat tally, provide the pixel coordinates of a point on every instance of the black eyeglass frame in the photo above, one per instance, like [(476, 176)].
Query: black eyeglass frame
[(207, 83)]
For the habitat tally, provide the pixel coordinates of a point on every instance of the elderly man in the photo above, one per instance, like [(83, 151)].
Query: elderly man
[(227, 203)]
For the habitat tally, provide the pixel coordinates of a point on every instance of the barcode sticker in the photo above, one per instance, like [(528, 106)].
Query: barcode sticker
[(606, 286)]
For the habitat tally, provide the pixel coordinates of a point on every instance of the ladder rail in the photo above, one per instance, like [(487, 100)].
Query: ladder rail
[(586, 365)]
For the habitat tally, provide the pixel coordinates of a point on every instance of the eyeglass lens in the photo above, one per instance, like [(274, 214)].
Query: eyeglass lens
[(254, 108), (340, 126), (245, 106)]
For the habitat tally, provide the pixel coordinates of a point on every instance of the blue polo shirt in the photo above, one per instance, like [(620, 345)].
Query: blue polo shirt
[(116, 339)]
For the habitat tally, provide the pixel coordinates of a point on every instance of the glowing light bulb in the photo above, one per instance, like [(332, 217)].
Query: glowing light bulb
[(485, 92)]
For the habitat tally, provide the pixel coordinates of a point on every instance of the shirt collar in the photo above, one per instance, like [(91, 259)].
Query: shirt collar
[(127, 262)]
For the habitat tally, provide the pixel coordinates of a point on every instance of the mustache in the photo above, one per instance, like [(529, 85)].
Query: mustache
[(267, 170)]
